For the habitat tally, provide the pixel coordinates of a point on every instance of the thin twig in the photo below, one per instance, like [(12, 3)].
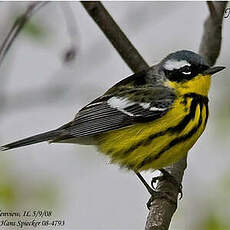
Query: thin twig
[(17, 27), (71, 24), (41, 93)]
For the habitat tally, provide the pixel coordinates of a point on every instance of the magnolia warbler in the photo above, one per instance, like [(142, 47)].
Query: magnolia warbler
[(148, 120)]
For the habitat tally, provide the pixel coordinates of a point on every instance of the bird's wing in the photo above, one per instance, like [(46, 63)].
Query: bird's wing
[(114, 110)]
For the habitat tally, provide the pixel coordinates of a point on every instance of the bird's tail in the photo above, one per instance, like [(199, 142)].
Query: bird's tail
[(47, 136)]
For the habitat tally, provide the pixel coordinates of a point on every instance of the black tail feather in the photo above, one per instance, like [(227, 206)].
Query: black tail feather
[(32, 140)]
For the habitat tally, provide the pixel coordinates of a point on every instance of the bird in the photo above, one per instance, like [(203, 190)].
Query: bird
[(146, 121)]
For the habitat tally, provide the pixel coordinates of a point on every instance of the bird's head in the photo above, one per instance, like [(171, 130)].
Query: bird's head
[(187, 71)]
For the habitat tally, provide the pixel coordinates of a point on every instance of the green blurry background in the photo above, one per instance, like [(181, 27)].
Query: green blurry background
[(40, 91)]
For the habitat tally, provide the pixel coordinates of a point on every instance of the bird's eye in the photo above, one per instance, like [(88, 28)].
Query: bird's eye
[(186, 70)]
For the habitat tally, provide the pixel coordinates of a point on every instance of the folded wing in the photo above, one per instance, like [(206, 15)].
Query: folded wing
[(115, 111)]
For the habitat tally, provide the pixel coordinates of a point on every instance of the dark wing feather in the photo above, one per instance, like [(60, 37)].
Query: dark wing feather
[(97, 119), (102, 115)]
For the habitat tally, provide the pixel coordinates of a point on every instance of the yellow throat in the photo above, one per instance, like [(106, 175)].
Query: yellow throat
[(199, 85)]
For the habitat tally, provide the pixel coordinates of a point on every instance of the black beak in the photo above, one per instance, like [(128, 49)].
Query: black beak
[(213, 70)]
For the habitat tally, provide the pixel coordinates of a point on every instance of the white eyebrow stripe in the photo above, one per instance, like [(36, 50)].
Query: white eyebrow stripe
[(174, 64)]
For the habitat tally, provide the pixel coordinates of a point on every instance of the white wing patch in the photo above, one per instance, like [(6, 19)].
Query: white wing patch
[(175, 64), (145, 105), (157, 109), (120, 104)]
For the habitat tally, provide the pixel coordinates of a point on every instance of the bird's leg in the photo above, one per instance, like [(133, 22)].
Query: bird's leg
[(149, 188), (154, 194), (167, 176)]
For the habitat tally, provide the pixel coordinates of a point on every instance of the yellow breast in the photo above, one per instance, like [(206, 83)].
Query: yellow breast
[(156, 144)]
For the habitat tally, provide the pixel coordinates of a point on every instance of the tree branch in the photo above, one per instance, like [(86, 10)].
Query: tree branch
[(162, 209), (116, 36), (212, 36), (17, 27)]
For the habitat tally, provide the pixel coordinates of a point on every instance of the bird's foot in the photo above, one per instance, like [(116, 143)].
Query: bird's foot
[(157, 194), (167, 176)]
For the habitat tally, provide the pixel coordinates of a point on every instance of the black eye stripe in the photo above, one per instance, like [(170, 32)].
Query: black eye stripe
[(183, 74)]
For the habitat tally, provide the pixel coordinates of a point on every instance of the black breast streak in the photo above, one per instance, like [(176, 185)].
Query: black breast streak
[(196, 99), (177, 128)]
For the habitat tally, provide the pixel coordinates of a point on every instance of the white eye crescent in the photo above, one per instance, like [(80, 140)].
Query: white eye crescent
[(186, 70), (186, 73)]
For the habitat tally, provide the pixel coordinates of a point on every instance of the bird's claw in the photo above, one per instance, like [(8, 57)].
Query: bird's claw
[(167, 176)]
